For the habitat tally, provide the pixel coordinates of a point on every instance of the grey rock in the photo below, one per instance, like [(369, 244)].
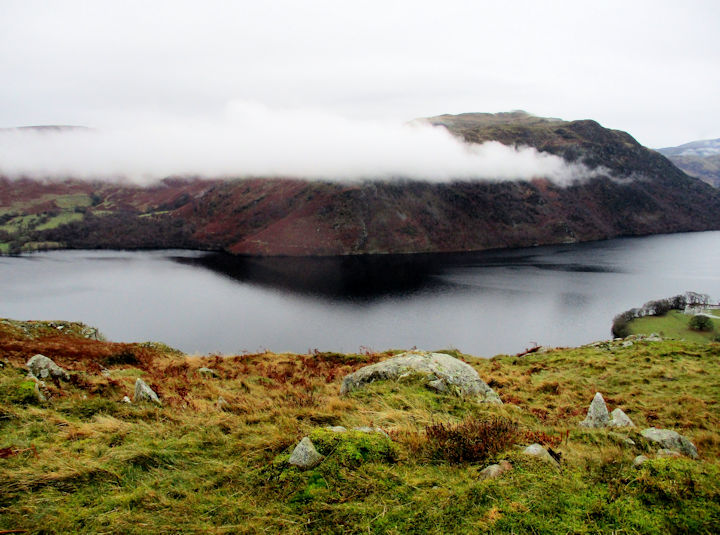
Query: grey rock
[(537, 451), (639, 461), (144, 393), (671, 440), (305, 455), (627, 343), (597, 415), (619, 419), (221, 403), (654, 337), (43, 368), (126, 399), (207, 372), (336, 428), (457, 375), (495, 470), (666, 453)]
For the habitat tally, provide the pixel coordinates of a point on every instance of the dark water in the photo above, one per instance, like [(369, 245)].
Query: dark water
[(483, 303)]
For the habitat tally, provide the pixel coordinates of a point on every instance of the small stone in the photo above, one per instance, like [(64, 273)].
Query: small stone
[(666, 453), (336, 428), (495, 470), (43, 368), (627, 343), (619, 419), (126, 399), (305, 455), (537, 451), (144, 393), (639, 461), (207, 372), (597, 415), (221, 403), (671, 440)]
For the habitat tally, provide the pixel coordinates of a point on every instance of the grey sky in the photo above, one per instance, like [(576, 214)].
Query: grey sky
[(651, 68)]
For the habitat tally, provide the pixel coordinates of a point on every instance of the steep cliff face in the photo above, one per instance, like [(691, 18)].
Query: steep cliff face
[(631, 191)]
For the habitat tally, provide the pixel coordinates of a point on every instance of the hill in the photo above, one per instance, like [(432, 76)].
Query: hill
[(81, 460), (700, 159), (631, 191)]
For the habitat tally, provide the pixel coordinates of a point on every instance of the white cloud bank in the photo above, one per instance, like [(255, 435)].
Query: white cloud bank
[(252, 140)]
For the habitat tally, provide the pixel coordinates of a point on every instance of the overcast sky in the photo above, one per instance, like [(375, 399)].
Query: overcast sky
[(651, 68)]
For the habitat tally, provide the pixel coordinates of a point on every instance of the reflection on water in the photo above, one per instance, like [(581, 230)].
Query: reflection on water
[(481, 303)]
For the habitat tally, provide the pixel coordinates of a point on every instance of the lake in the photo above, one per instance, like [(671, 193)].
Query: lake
[(480, 303)]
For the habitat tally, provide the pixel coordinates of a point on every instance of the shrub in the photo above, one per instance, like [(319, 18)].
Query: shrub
[(473, 439), (701, 323)]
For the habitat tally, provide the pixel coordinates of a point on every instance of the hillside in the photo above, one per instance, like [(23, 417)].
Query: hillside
[(213, 457), (700, 159), (633, 191)]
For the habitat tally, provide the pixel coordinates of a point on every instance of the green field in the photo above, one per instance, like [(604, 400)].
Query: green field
[(675, 325)]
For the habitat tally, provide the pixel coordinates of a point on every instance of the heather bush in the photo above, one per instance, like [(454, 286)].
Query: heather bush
[(471, 440)]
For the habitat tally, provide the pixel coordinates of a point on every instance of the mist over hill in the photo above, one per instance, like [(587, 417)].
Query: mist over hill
[(612, 186)]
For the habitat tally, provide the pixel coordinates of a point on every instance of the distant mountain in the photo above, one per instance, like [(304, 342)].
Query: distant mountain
[(632, 191), (700, 159)]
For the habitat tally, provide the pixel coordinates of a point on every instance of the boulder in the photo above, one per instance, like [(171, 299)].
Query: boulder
[(495, 470), (537, 451), (670, 440), (619, 419), (305, 455), (144, 393), (597, 415), (457, 375), (43, 368)]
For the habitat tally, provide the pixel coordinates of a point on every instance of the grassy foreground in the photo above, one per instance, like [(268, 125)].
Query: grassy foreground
[(85, 462)]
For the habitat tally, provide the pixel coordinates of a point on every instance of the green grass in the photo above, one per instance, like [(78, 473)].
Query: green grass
[(674, 325), (83, 462), (61, 219)]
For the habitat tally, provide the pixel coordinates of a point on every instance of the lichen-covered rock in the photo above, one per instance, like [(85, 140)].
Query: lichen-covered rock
[(619, 419), (664, 453), (597, 415), (537, 451), (671, 440), (457, 375), (144, 393), (43, 368), (305, 455), (639, 461)]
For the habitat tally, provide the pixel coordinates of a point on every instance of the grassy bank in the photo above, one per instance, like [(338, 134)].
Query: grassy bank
[(675, 324), (85, 462)]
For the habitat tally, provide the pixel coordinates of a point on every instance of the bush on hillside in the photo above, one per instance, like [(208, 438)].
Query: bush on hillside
[(473, 439), (701, 323)]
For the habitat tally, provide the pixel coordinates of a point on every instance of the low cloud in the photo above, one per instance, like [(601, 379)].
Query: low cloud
[(252, 140)]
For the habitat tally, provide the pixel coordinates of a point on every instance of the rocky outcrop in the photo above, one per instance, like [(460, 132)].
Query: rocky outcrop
[(671, 440), (44, 368), (457, 376), (144, 393), (305, 455)]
